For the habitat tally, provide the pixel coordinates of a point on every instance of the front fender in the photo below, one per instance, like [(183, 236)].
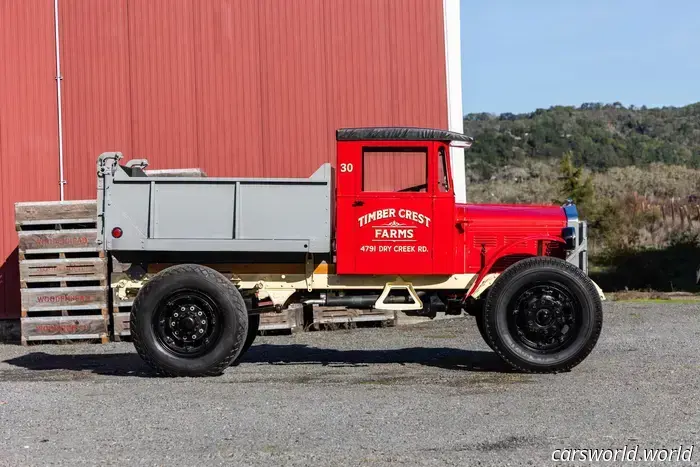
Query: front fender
[(500, 253)]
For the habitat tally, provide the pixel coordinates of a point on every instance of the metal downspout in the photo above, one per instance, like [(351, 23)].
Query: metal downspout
[(61, 181)]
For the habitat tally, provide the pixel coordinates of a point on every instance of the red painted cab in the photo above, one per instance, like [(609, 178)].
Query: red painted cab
[(396, 210)]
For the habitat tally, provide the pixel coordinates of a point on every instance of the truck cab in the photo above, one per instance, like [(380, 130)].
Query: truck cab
[(395, 201)]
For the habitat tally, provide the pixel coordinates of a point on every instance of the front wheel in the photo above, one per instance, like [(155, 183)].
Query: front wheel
[(543, 315), (189, 320)]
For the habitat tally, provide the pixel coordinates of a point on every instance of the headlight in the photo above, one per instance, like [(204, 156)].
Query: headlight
[(569, 236)]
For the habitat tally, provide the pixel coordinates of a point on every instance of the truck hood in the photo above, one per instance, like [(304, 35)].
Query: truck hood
[(528, 217)]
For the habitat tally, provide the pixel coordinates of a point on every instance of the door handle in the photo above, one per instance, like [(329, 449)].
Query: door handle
[(358, 203)]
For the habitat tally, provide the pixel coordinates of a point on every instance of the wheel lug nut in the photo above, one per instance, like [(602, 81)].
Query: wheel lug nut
[(175, 315), (204, 322), (182, 308), (191, 308), (201, 331), (194, 336), (199, 313)]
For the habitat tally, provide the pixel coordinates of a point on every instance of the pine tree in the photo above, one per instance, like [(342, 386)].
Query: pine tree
[(573, 185)]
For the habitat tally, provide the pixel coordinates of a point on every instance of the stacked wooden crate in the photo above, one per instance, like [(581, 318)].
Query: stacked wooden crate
[(63, 272)]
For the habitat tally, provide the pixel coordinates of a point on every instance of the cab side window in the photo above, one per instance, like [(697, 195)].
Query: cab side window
[(443, 180), (396, 170)]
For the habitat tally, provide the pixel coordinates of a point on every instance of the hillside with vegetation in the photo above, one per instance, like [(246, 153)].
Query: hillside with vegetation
[(601, 136), (633, 172)]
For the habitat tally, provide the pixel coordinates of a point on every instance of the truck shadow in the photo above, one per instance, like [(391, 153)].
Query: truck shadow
[(441, 357), (130, 364)]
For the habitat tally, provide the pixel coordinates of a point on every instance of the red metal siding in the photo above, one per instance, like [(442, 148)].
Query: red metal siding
[(243, 87), (228, 111), (28, 126), (95, 88), (237, 87)]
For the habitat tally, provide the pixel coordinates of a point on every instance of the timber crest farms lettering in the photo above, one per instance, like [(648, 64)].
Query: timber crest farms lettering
[(391, 229)]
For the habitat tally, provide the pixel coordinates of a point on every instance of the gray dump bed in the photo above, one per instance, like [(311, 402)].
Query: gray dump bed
[(194, 214)]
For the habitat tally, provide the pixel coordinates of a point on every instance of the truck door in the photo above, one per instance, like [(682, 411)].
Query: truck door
[(392, 209)]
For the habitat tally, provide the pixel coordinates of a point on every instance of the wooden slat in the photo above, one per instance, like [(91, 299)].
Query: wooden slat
[(121, 322), (328, 316), (64, 298), (58, 241), (291, 318), (77, 269), (64, 327), (48, 212)]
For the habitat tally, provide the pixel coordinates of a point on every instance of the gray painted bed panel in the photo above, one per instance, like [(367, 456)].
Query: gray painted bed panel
[(301, 211), (184, 210), (160, 213)]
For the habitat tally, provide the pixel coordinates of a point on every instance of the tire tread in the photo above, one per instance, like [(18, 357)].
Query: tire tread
[(211, 275), (542, 262)]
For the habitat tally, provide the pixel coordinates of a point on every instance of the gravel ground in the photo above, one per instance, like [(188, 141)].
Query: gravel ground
[(428, 394)]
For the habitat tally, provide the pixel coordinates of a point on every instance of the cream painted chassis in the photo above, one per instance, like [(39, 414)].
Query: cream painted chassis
[(279, 287)]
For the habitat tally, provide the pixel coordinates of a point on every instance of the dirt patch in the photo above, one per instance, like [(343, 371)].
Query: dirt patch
[(629, 295)]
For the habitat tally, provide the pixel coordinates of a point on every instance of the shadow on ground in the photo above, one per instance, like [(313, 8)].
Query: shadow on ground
[(130, 364)]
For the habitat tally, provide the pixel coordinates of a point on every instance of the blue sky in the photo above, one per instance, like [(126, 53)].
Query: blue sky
[(520, 55)]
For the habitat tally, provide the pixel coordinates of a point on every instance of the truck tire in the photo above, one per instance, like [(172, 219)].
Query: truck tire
[(253, 326), (185, 299), (543, 315), (479, 317)]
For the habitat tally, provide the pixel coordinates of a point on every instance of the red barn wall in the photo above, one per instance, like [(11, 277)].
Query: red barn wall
[(28, 126), (236, 87)]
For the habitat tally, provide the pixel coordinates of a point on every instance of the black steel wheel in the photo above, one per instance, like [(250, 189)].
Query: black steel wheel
[(189, 320), (543, 315), (188, 323)]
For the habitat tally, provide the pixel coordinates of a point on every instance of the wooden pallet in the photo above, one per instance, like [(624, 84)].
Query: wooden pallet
[(65, 328), (326, 317), (66, 300), (62, 272), (36, 242), (121, 316), (39, 215), (121, 325), (291, 319)]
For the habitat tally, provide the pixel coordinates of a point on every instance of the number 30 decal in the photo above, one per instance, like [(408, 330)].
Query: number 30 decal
[(346, 167)]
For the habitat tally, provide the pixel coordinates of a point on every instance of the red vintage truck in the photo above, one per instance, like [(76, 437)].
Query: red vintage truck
[(382, 229)]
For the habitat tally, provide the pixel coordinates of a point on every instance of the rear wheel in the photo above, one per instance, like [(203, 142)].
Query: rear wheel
[(189, 320), (543, 315), (253, 326)]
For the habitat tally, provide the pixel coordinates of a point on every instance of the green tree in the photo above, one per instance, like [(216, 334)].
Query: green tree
[(573, 184)]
